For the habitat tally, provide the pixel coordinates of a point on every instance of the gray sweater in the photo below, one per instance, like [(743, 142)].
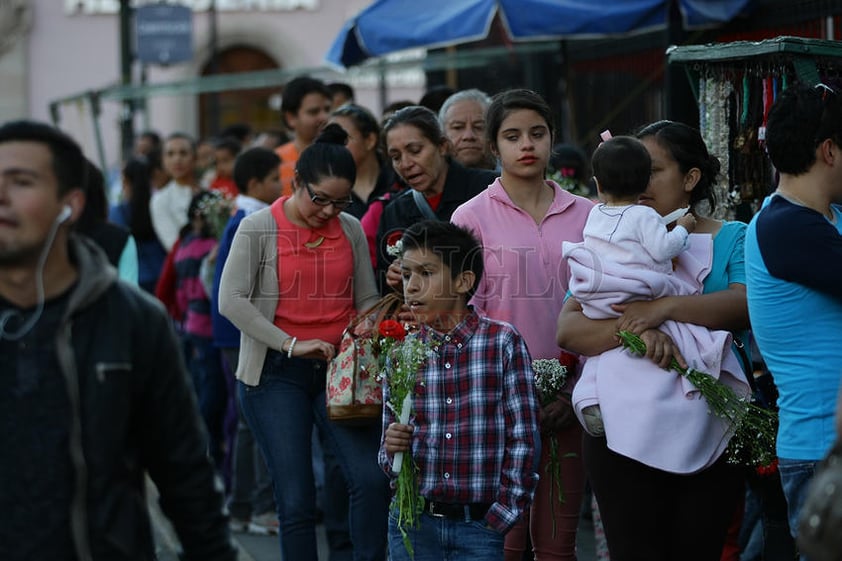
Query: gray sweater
[(248, 291)]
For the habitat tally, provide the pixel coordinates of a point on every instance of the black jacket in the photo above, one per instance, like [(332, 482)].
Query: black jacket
[(460, 185), (133, 411)]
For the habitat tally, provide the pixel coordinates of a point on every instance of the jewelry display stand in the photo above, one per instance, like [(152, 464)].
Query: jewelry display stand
[(735, 85)]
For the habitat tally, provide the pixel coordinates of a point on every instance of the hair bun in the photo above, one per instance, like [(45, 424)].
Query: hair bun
[(332, 134)]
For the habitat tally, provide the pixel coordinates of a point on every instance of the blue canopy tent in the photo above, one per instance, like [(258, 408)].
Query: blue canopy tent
[(388, 26)]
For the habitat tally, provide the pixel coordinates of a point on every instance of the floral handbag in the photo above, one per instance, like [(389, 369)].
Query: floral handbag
[(354, 393)]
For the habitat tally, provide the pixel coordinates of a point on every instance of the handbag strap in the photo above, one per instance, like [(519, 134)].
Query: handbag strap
[(383, 308), (423, 205)]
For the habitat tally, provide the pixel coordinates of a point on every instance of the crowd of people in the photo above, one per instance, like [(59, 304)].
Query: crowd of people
[(184, 330)]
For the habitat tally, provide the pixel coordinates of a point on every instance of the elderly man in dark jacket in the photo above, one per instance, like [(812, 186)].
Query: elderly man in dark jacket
[(93, 392)]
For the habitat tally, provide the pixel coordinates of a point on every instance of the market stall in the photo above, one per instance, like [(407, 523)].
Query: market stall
[(735, 85)]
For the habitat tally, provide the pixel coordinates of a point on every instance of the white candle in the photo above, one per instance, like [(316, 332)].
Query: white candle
[(402, 419)]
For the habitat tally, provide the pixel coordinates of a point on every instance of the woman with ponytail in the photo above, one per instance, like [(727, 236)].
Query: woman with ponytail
[(648, 512), (297, 272)]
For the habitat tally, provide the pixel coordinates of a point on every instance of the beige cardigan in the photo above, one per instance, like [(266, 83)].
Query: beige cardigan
[(248, 291)]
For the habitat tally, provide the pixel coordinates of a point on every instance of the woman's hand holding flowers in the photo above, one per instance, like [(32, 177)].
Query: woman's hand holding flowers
[(639, 316), (558, 414), (393, 275)]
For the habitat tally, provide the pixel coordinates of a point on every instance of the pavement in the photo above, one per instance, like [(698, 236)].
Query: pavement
[(266, 548)]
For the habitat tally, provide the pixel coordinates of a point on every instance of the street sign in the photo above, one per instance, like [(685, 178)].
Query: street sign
[(164, 33)]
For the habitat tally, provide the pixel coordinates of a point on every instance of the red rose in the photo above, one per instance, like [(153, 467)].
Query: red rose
[(568, 360), (394, 238), (769, 469), (393, 329)]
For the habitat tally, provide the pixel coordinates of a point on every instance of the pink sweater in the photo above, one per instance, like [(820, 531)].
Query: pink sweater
[(525, 279), (654, 416)]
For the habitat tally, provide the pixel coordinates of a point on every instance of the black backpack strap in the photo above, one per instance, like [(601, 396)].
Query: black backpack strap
[(423, 205)]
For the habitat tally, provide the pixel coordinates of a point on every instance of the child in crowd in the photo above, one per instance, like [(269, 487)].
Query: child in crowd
[(193, 306), (168, 207), (475, 426), (225, 152), (627, 255), (305, 108)]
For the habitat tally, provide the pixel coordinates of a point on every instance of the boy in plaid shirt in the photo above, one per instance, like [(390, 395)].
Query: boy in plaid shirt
[(475, 425)]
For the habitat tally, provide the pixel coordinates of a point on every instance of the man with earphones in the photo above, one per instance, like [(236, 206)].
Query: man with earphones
[(93, 392)]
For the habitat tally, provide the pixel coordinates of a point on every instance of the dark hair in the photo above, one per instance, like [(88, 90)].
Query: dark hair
[(68, 161), (327, 157), (435, 96), (254, 163), (136, 171), (567, 156), (622, 166), (504, 103), (297, 89), (182, 136), (198, 207), (800, 120), (240, 131), (396, 106), (341, 88), (688, 149), (419, 117), (362, 117), (154, 161), (96, 203), (153, 137), (456, 246), (230, 144)]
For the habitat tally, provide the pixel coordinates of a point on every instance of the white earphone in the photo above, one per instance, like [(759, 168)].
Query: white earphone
[(66, 212)]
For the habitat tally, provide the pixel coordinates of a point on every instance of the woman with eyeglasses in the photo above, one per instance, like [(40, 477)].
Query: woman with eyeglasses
[(296, 274)]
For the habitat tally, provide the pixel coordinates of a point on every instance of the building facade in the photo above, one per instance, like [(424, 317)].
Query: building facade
[(57, 49)]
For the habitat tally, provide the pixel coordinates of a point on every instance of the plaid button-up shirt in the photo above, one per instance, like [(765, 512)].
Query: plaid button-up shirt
[(475, 414)]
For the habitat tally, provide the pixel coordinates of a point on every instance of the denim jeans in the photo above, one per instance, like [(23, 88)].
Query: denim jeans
[(204, 362), (281, 411), (442, 539), (795, 479)]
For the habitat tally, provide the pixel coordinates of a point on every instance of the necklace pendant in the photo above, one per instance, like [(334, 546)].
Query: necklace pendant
[(315, 243)]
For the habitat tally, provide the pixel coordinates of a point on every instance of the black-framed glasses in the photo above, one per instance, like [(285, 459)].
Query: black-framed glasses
[(338, 204)]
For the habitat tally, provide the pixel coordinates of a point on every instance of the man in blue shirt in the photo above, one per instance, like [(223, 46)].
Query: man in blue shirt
[(794, 279)]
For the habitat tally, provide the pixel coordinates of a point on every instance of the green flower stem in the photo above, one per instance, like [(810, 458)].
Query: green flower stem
[(753, 428), (404, 359)]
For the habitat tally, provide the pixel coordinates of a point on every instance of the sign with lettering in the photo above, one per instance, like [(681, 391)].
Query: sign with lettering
[(164, 33)]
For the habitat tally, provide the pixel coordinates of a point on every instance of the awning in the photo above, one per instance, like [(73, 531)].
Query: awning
[(387, 26)]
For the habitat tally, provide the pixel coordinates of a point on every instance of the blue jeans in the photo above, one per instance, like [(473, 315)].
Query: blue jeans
[(281, 411), (795, 479), (204, 361), (442, 539)]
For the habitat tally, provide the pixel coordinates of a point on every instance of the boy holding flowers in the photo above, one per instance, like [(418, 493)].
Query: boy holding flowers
[(474, 410)]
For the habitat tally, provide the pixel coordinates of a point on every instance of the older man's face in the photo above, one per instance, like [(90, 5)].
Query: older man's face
[(464, 126)]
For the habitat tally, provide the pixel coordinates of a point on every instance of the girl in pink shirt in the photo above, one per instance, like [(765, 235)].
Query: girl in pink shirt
[(521, 221)]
